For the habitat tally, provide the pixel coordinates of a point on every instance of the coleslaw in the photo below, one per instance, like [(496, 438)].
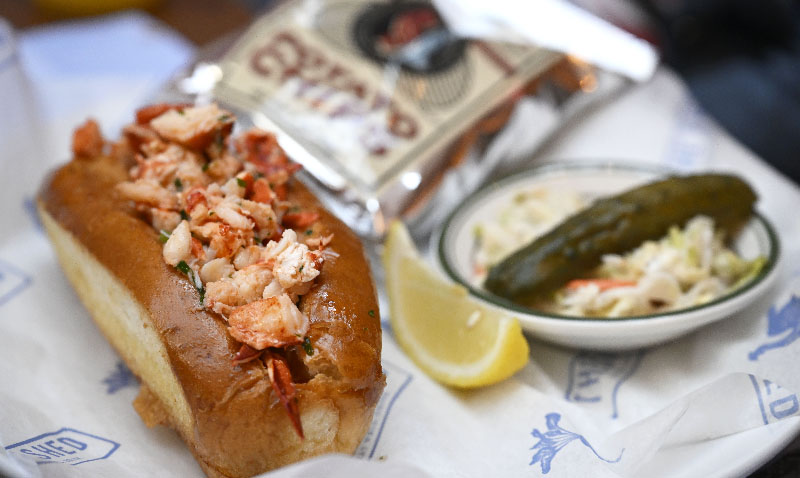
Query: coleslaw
[(688, 267)]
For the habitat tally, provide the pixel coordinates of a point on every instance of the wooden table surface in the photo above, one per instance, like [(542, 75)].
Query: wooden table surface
[(201, 21)]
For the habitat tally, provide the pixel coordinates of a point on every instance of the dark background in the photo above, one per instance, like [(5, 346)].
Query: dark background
[(741, 60)]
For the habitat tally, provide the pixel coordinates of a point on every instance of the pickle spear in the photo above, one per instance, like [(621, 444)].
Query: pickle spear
[(615, 225)]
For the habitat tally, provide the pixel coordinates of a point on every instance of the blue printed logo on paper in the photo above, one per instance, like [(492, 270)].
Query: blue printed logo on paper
[(775, 402), (66, 446), (119, 378), (12, 282), (784, 323), (595, 378), (397, 380), (554, 440)]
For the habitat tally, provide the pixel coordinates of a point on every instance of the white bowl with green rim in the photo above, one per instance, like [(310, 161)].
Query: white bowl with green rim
[(594, 180)]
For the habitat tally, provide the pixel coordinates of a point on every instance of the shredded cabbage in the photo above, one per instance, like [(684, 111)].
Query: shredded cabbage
[(689, 266)]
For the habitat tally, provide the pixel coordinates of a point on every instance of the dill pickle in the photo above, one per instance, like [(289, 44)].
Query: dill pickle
[(615, 225)]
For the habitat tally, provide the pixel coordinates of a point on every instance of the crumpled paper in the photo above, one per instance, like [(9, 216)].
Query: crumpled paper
[(718, 402)]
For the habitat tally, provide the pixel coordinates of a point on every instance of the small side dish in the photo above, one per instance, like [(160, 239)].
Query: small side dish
[(574, 252), (689, 266)]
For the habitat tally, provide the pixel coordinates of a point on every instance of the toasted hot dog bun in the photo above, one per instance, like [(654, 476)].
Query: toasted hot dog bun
[(229, 415)]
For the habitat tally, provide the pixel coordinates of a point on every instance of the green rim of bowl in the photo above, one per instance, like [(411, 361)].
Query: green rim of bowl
[(609, 167)]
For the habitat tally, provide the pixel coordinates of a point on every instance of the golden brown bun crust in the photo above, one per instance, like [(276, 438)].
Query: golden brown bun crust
[(239, 426)]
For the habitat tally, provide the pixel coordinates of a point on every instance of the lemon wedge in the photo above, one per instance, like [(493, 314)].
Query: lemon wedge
[(451, 336)]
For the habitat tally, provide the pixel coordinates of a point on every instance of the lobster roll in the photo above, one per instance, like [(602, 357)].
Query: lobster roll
[(246, 310)]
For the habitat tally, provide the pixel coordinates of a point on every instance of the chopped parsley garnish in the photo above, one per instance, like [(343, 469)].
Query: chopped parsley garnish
[(211, 213), (224, 118), (371, 313), (178, 184), (181, 112), (184, 216), (241, 182), (198, 285), (309, 232), (163, 236), (307, 347), (205, 167)]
